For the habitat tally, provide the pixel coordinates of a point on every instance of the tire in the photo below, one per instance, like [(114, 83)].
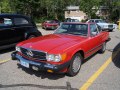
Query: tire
[(110, 30), (75, 65), (31, 36), (102, 50), (42, 27), (45, 28)]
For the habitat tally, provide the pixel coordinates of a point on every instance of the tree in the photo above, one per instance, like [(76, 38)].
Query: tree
[(5, 6), (55, 8), (90, 7), (114, 9)]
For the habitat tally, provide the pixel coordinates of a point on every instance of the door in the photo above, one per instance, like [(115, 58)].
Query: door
[(6, 32), (21, 25), (95, 40)]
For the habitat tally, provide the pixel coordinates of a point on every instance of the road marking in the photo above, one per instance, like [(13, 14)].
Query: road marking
[(89, 82), (3, 61)]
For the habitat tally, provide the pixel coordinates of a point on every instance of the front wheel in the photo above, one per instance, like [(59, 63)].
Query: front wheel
[(75, 64)]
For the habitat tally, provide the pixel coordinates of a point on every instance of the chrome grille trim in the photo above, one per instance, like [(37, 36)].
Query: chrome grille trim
[(110, 26), (37, 55)]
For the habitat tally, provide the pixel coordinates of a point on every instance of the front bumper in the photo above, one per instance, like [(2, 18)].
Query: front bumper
[(40, 65)]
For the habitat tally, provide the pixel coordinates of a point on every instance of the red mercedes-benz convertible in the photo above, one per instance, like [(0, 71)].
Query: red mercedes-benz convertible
[(63, 51)]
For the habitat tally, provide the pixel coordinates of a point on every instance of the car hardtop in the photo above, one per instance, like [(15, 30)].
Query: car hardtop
[(95, 19), (13, 15), (79, 23), (4, 15)]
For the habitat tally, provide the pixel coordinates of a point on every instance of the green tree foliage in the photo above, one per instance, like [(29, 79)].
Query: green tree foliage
[(5, 6), (55, 8), (114, 9), (90, 7)]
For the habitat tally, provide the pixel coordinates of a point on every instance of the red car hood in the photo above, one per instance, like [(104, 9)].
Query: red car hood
[(50, 42)]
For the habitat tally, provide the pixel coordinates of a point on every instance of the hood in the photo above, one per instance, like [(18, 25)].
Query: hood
[(50, 42), (102, 23)]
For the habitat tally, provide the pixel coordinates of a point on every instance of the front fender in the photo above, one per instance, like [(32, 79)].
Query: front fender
[(72, 52)]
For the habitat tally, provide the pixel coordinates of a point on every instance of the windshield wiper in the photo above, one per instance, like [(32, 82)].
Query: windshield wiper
[(76, 33), (73, 33)]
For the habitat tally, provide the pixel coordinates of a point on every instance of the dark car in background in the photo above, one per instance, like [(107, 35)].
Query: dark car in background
[(15, 28), (50, 24)]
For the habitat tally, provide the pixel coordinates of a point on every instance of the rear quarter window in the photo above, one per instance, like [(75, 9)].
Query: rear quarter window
[(6, 22), (20, 21)]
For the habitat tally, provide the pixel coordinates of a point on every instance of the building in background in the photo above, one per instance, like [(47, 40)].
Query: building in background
[(74, 12)]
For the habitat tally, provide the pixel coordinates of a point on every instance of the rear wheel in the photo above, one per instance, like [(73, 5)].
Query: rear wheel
[(111, 30), (45, 27), (102, 50), (31, 36), (75, 64)]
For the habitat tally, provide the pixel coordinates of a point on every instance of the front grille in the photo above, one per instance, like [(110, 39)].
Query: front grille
[(37, 55), (110, 26)]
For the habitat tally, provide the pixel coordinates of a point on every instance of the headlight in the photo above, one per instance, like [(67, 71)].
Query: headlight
[(18, 49), (54, 58)]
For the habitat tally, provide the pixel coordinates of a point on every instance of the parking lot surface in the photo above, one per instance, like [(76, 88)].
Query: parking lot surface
[(99, 72)]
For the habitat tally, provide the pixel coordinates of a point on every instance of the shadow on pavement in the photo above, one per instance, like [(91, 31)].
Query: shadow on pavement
[(68, 87), (86, 60), (116, 56), (7, 50), (42, 74)]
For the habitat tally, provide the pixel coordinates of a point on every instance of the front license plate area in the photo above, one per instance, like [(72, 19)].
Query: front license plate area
[(25, 64)]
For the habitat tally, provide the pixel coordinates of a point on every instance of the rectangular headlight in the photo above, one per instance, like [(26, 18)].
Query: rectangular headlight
[(18, 49), (53, 57)]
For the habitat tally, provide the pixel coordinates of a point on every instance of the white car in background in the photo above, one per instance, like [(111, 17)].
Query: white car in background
[(115, 26), (104, 25)]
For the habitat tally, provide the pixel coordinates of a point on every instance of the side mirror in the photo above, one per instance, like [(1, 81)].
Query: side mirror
[(93, 33)]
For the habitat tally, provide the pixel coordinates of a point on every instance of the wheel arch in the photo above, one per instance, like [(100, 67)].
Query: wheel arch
[(69, 72), (28, 34), (32, 33), (80, 52)]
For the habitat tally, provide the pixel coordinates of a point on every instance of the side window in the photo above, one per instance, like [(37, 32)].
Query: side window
[(5, 22), (93, 30), (91, 21), (20, 21), (99, 28)]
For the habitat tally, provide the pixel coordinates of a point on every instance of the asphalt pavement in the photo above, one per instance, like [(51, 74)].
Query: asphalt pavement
[(99, 72)]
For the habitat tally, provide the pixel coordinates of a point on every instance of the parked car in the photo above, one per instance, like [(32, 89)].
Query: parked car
[(104, 25), (115, 26), (65, 50), (50, 24), (71, 20), (15, 28)]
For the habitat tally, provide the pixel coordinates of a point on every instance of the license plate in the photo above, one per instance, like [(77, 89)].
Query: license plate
[(25, 64)]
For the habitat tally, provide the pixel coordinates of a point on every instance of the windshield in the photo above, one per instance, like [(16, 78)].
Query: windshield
[(75, 29), (99, 21)]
